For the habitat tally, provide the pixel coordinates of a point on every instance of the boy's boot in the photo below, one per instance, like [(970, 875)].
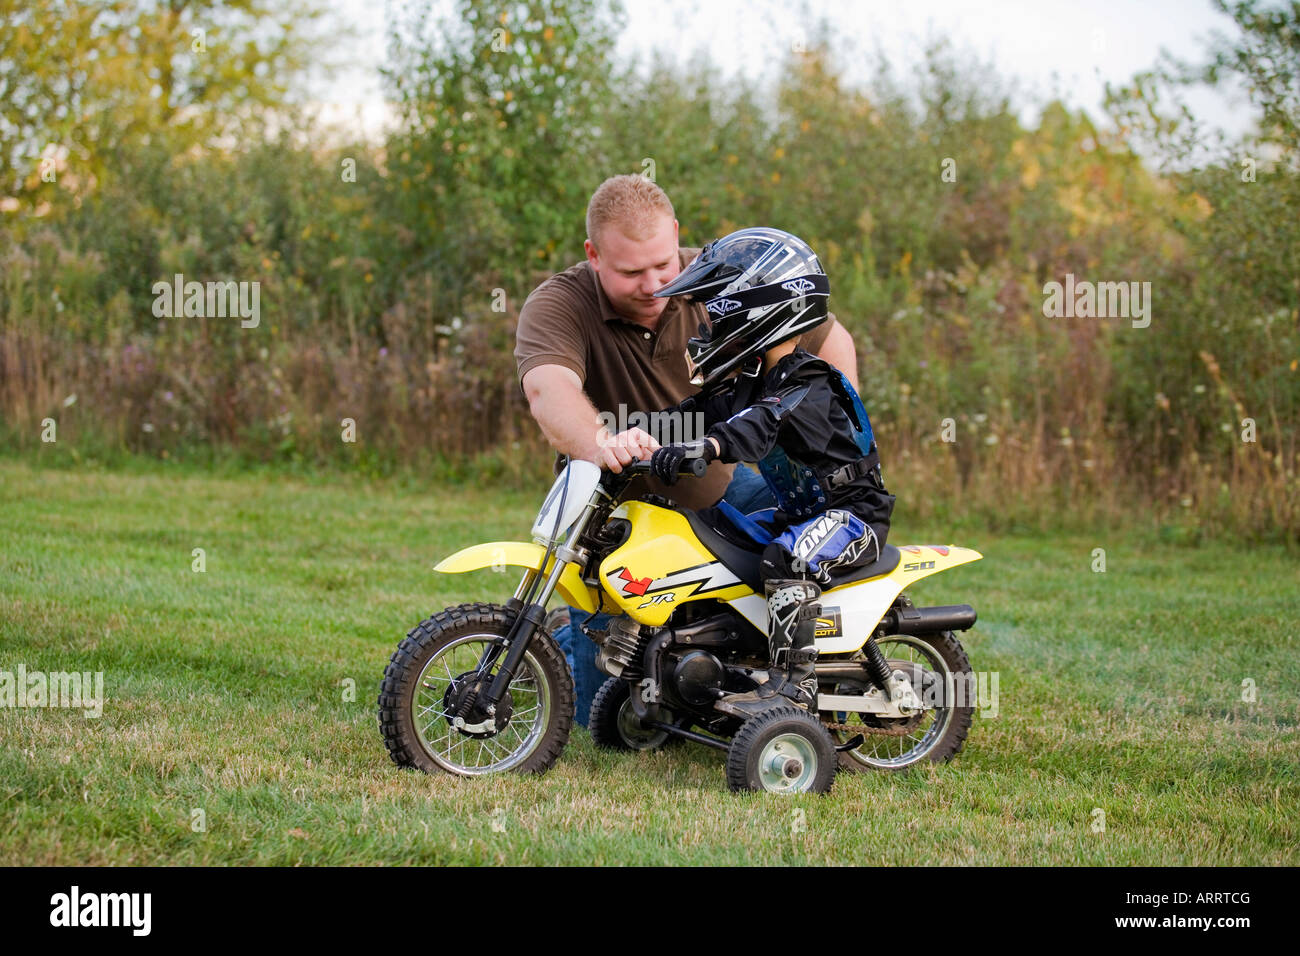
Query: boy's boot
[(792, 610)]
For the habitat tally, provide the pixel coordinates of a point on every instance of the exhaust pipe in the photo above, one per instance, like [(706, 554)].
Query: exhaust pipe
[(928, 620)]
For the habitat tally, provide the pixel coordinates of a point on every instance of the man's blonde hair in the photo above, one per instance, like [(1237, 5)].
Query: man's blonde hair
[(631, 203)]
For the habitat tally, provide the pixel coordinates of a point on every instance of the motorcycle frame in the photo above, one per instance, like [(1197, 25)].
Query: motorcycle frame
[(530, 610)]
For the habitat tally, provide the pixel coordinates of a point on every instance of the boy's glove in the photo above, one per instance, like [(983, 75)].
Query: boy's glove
[(667, 461)]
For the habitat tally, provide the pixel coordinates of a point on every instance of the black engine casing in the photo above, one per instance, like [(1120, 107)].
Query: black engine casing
[(696, 677)]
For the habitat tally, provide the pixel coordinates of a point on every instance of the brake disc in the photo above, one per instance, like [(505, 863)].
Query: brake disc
[(461, 700)]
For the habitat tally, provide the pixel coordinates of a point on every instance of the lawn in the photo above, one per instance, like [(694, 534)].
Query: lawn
[(239, 722)]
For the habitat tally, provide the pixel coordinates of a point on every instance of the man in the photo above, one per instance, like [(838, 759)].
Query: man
[(595, 346)]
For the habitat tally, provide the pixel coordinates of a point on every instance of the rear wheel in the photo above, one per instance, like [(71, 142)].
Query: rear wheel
[(937, 666), (427, 710)]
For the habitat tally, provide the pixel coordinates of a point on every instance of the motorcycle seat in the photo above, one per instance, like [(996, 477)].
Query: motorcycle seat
[(733, 549), (753, 525), (740, 550), (889, 558)]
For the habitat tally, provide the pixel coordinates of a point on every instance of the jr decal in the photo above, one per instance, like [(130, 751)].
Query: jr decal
[(705, 578), (713, 576)]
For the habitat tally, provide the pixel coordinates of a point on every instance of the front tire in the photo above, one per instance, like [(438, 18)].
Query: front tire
[(431, 664), (782, 750)]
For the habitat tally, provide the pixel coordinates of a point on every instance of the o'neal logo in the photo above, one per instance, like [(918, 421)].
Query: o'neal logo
[(814, 536)]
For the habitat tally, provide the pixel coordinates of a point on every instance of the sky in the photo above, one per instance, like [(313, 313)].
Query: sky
[(1044, 48)]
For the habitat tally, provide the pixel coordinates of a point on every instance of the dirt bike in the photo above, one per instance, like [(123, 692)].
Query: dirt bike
[(484, 688)]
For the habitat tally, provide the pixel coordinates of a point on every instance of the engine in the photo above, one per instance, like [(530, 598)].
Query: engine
[(690, 662), (622, 650), (697, 677)]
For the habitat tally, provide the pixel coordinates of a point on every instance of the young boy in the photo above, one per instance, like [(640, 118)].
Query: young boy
[(766, 400)]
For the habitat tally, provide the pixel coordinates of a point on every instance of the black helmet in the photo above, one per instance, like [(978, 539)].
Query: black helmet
[(761, 287)]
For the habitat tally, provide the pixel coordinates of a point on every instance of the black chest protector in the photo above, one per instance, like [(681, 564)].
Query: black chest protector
[(800, 490)]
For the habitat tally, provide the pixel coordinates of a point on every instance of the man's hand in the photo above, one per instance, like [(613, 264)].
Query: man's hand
[(619, 450), (667, 461), (573, 426)]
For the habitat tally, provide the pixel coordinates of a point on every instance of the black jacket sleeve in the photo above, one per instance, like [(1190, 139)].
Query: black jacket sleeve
[(750, 433), (714, 407)]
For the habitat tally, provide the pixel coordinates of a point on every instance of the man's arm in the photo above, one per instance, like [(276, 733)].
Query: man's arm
[(838, 349), (571, 423)]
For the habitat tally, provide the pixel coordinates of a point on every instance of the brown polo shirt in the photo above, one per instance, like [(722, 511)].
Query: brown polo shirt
[(624, 368)]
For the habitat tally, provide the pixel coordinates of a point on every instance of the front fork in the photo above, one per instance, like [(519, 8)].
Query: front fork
[(529, 616)]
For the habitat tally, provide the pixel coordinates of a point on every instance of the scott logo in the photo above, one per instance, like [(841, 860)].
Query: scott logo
[(722, 306), (798, 287)]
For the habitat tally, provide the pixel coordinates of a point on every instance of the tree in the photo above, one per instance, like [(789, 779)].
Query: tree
[(81, 80), (497, 154)]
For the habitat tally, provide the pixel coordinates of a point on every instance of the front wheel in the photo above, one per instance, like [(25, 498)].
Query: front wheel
[(435, 675)]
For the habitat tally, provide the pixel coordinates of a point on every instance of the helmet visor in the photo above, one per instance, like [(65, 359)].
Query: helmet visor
[(698, 280)]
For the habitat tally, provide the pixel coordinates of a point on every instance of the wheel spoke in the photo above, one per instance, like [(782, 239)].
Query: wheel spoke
[(431, 724), (923, 665), (461, 752), (447, 736)]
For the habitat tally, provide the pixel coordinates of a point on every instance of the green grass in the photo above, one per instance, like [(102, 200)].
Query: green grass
[(226, 692)]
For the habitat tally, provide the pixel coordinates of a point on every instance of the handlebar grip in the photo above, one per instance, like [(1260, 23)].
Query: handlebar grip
[(690, 466)]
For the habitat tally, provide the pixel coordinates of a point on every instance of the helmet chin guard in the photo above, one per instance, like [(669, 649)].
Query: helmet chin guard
[(761, 287), (752, 369)]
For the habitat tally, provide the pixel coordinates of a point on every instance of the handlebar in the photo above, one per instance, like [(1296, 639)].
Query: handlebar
[(615, 483), (691, 467)]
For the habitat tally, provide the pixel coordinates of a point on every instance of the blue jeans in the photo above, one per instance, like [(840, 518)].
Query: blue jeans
[(747, 492)]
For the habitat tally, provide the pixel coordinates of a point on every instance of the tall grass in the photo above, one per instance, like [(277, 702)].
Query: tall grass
[(389, 297)]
